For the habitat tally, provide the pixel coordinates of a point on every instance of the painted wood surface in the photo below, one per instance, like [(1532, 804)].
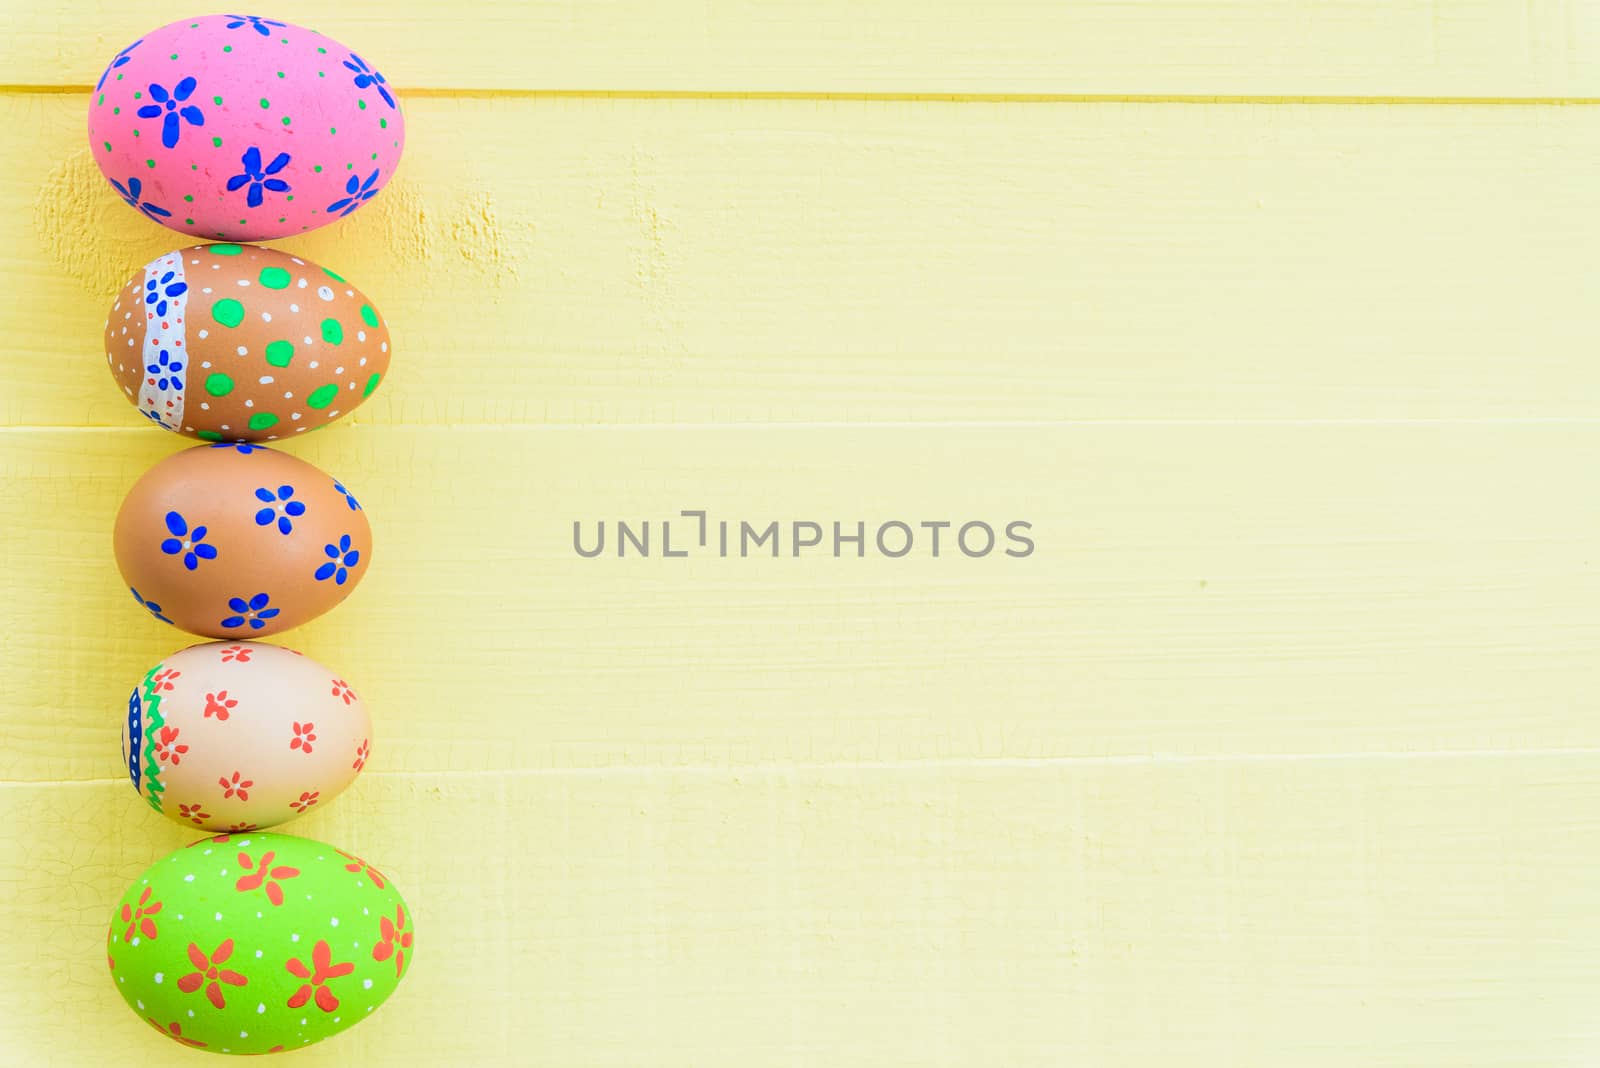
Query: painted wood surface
[(1467, 48), (1280, 750)]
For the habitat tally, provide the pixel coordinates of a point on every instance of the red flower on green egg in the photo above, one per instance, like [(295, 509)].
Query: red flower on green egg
[(357, 865), (209, 973), (264, 875), (172, 1030), (138, 917), (316, 981), (396, 940)]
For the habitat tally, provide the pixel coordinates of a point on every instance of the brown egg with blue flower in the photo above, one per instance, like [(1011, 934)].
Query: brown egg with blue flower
[(240, 541), (243, 343)]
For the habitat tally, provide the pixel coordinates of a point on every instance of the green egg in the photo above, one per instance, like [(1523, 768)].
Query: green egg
[(258, 943)]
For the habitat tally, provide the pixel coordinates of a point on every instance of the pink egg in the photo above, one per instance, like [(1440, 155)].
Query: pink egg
[(243, 127)]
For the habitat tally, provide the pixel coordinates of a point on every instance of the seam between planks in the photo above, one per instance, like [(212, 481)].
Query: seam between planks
[(938, 764), (940, 98), (909, 424)]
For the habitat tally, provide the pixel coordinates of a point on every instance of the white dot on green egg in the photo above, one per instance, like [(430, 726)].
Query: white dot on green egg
[(160, 978), (207, 853), (188, 878), (366, 984), (180, 916), (261, 1006), (141, 1004), (191, 1012), (136, 937), (294, 938), (364, 912), (219, 916), (258, 952), (334, 922), (244, 1034)]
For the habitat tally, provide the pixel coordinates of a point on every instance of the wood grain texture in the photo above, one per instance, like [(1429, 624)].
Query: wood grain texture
[(1476, 48), (579, 261), (1282, 750), (1269, 589), (1309, 913)]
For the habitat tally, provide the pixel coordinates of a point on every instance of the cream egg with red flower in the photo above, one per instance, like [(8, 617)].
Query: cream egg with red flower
[(241, 735)]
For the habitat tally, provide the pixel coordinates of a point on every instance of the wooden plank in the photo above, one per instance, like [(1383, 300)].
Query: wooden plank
[(838, 261), (1195, 589), (1324, 913), (1493, 48)]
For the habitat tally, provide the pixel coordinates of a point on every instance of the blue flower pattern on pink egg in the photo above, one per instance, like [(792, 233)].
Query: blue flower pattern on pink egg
[(131, 194), (366, 76), (255, 22), (168, 105), (259, 178), (121, 60), (359, 193)]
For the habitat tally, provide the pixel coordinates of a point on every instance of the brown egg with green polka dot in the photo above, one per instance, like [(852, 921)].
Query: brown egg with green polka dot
[(244, 343)]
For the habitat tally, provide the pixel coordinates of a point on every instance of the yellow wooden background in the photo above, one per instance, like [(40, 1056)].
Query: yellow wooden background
[(1277, 318)]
